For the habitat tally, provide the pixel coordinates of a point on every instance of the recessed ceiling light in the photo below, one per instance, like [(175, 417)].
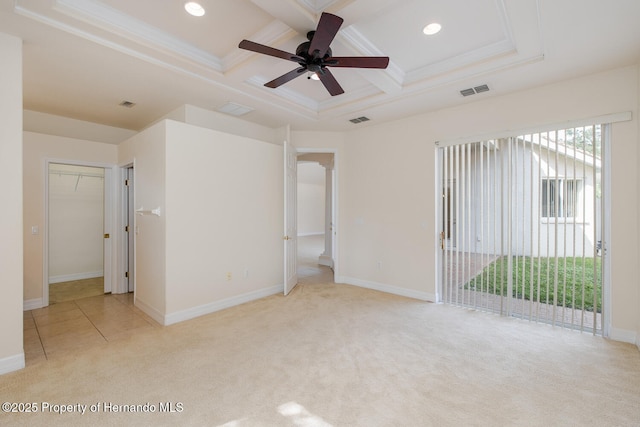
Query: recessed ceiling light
[(432, 29), (194, 8)]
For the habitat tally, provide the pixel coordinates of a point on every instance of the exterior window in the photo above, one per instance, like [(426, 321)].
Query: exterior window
[(560, 198)]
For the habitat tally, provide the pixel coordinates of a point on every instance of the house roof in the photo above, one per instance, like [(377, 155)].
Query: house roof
[(557, 142)]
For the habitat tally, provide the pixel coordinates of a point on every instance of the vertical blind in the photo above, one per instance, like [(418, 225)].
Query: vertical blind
[(522, 227)]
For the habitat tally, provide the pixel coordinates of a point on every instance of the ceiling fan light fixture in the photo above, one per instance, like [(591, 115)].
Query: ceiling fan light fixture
[(314, 76), (431, 29), (194, 8)]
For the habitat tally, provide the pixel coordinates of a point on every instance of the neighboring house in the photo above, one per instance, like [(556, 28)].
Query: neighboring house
[(531, 190)]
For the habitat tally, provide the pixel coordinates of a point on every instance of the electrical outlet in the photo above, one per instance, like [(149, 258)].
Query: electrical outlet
[(228, 275), (379, 265), (246, 273)]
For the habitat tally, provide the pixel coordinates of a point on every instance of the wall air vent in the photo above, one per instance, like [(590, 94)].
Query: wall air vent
[(234, 109), (359, 120), (127, 104), (474, 90)]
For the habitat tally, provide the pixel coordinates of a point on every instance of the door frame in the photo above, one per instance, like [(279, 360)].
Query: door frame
[(290, 231), (126, 215), (334, 205), (108, 219)]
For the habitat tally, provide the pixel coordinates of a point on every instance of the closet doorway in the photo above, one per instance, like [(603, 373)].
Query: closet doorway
[(77, 246)]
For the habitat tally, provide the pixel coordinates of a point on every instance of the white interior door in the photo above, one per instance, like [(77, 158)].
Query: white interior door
[(290, 217)]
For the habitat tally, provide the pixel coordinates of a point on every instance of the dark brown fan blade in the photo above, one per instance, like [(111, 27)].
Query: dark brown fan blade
[(285, 78), (358, 61), (327, 29), (266, 50), (330, 82)]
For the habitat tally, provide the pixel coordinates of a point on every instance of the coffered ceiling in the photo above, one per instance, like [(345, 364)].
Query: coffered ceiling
[(82, 58)]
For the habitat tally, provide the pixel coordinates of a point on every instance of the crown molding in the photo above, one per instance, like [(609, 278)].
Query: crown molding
[(107, 18), (272, 34), (316, 6), (355, 40), (311, 105)]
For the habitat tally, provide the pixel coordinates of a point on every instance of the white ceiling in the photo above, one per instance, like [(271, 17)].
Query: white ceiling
[(83, 57)]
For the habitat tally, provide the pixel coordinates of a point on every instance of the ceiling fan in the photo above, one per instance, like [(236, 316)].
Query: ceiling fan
[(315, 56)]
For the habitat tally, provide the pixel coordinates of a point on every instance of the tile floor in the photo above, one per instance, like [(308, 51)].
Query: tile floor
[(69, 326), (76, 289)]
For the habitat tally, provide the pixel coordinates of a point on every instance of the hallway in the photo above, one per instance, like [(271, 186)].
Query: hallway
[(309, 271)]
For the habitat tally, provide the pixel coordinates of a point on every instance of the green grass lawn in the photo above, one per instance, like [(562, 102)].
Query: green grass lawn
[(535, 279)]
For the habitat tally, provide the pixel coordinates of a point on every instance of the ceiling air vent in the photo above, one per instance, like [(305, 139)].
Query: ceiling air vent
[(127, 104), (474, 90), (359, 120), (234, 109)]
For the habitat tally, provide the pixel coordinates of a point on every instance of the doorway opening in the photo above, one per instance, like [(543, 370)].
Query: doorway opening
[(76, 253), (316, 257), (315, 176)]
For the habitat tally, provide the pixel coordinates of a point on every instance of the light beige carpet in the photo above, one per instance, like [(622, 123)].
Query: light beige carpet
[(337, 355)]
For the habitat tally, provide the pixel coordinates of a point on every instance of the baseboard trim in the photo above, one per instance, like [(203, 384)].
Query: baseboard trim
[(624, 335), (32, 304), (390, 289), (325, 260), (75, 276), (12, 363), (201, 310), (149, 311)]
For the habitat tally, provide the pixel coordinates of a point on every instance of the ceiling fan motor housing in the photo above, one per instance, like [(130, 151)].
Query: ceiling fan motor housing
[(311, 63)]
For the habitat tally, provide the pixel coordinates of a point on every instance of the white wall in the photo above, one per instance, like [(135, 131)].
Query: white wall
[(218, 240), (221, 122), (37, 148), (49, 124), (389, 233), (224, 220), (147, 151), (11, 225), (311, 198), (76, 224)]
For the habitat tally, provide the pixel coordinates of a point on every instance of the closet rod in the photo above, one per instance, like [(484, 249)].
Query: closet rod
[(83, 174)]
